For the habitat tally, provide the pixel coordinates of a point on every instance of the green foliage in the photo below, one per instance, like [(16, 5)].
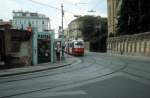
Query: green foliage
[(94, 30), (134, 17)]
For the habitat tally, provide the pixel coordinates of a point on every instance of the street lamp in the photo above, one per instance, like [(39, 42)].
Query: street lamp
[(62, 11)]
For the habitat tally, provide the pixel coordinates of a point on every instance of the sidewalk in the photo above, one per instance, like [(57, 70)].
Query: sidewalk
[(40, 67)]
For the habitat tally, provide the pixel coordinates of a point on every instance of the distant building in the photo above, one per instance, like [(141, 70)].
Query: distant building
[(113, 8), (22, 20), (74, 31), (66, 34)]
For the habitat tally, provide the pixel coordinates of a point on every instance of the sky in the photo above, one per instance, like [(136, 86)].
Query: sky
[(52, 9)]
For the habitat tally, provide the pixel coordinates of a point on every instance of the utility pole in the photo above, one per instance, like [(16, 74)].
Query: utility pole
[(62, 36), (62, 11)]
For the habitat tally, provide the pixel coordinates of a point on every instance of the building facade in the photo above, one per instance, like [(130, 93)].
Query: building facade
[(74, 31), (66, 35), (113, 7), (22, 20)]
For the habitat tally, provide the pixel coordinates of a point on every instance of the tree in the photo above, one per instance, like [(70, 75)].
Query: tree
[(144, 15), (127, 22), (134, 17), (94, 30), (92, 27)]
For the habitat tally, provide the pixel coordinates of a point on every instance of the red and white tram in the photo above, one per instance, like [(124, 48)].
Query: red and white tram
[(75, 47)]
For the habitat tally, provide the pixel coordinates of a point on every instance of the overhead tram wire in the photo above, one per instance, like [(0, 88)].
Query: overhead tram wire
[(47, 5), (43, 4), (76, 5)]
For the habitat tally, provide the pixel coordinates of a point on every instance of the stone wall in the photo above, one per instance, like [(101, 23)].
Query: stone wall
[(136, 45), (18, 44)]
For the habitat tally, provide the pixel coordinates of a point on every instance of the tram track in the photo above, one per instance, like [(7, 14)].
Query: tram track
[(70, 70), (49, 88)]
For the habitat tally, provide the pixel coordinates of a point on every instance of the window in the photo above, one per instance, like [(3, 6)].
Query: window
[(20, 21), (79, 43), (32, 22), (15, 22), (24, 22), (39, 36), (29, 23)]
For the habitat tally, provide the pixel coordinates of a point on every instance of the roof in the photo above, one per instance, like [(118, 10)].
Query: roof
[(4, 25), (20, 35), (17, 35), (4, 22)]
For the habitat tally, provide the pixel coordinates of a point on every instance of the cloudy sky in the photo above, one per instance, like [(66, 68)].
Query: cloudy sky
[(51, 8)]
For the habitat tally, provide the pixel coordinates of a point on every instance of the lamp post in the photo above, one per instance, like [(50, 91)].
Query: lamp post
[(62, 42)]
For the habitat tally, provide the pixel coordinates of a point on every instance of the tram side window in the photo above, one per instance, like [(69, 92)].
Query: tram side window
[(79, 43), (72, 45), (69, 45)]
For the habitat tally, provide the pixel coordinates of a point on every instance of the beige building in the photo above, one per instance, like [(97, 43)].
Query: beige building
[(74, 31), (113, 8), (66, 34)]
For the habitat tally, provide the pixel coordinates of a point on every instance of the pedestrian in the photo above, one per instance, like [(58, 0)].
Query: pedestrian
[(58, 53)]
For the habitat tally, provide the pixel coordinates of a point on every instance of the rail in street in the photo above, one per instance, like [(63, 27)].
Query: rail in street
[(76, 79)]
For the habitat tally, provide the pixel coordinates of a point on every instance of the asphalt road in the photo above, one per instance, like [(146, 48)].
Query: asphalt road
[(97, 76)]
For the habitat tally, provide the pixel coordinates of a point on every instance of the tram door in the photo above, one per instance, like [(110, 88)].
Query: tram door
[(44, 48)]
